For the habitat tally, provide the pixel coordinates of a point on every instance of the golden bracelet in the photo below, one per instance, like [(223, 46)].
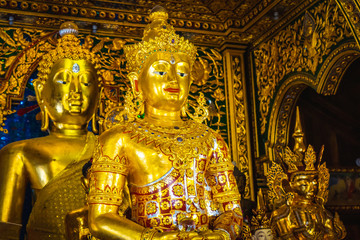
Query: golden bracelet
[(148, 234)]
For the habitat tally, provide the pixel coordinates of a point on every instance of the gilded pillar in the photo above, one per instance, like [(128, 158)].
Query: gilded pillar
[(238, 116)]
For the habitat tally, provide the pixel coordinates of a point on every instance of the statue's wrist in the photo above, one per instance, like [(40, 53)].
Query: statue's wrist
[(148, 234), (225, 234)]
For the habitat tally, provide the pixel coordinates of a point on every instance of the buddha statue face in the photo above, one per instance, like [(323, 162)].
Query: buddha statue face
[(165, 81), (263, 234), (70, 93), (305, 185)]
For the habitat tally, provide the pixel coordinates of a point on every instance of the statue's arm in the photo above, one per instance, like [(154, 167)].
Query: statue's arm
[(280, 223), (107, 179), (13, 181), (220, 178)]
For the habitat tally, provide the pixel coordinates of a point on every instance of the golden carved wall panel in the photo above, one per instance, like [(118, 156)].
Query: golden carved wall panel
[(300, 47)]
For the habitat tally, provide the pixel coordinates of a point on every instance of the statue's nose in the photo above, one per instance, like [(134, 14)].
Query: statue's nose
[(172, 74), (75, 85)]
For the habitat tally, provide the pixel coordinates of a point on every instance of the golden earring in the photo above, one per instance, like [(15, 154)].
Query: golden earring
[(44, 119), (133, 106)]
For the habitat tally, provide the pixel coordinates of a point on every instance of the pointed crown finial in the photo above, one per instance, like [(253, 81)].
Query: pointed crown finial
[(301, 159)]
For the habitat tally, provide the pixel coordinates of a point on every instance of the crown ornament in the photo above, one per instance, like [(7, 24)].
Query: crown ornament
[(159, 36), (260, 220), (300, 161), (69, 47)]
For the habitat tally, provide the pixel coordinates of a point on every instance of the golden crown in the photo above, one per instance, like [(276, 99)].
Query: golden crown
[(260, 220), (69, 47), (299, 160), (159, 36)]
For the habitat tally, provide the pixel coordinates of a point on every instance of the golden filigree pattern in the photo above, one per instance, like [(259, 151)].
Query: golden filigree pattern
[(351, 11), (18, 58)]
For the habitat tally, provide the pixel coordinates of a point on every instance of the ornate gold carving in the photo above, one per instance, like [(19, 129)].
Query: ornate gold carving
[(44, 21), (18, 59), (275, 176), (293, 51), (339, 60), (351, 11)]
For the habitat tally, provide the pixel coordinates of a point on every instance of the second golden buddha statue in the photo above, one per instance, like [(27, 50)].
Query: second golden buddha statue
[(67, 91), (178, 173)]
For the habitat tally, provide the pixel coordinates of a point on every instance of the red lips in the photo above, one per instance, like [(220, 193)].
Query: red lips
[(172, 90)]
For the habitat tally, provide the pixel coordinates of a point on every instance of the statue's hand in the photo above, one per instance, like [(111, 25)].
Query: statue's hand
[(181, 235), (212, 235)]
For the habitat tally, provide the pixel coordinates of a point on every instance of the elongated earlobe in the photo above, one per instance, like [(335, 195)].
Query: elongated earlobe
[(93, 124), (44, 119)]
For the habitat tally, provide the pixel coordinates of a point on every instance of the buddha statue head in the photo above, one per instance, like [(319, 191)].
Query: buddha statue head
[(67, 87), (160, 65)]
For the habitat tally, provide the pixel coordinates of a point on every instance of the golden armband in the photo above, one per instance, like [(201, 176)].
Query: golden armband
[(106, 185)]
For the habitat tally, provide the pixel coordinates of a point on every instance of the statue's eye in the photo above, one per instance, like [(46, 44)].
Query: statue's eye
[(86, 84), (160, 73), (182, 74), (61, 81)]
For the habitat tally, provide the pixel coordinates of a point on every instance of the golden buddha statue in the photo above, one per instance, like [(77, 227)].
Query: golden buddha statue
[(67, 91), (178, 172), (303, 186)]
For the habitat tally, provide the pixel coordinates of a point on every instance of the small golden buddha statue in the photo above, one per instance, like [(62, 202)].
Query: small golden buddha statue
[(303, 215), (178, 172), (67, 91)]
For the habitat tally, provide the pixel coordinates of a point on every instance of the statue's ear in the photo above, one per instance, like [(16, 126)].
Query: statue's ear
[(39, 86), (134, 80)]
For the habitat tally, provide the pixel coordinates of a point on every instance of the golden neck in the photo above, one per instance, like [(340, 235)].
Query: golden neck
[(68, 131), (164, 118)]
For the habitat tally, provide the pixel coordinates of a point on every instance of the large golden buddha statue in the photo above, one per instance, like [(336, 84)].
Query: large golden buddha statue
[(179, 173), (67, 90), (302, 186)]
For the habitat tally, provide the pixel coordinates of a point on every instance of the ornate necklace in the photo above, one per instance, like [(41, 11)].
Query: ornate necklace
[(181, 144)]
